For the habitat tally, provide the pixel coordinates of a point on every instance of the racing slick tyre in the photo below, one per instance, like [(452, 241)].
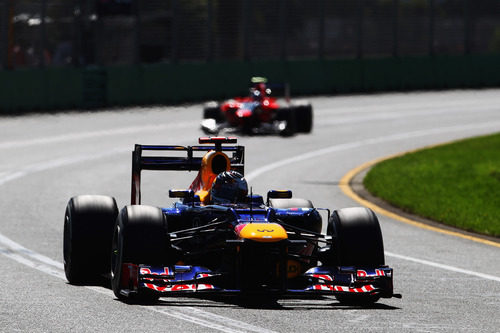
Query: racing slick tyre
[(287, 115), (211, 110), (304, 117), (88, 230), (139, 237), (357, 242)]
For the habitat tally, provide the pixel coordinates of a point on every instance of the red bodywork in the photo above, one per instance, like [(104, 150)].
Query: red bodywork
[(237, 111)]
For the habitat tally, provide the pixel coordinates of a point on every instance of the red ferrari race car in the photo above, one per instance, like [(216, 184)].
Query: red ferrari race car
[(258, 113)]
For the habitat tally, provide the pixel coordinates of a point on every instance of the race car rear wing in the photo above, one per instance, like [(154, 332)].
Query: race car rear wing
[(189, 162)]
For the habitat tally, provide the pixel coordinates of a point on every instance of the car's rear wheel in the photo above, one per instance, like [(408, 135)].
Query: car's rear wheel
[(357, 241), (140, 237), (88, 231)]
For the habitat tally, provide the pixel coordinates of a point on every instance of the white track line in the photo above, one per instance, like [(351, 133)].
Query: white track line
[(351, 145), (366, 142), (12, 247), (56, 163), (32, 259), (92, 134), (443, 266), (24, 256), (213, 317)]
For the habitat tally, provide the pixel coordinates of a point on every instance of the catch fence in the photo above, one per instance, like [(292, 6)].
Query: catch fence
[(40, 33)]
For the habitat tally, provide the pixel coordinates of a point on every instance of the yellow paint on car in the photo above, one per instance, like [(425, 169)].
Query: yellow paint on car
[(263, 232)]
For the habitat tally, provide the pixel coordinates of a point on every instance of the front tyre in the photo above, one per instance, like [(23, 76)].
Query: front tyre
[(357, 242), (88, 231), (140, 237), (288, 117), (211, 110)]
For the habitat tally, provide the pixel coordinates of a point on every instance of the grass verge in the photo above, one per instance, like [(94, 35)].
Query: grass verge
[(457, 184)]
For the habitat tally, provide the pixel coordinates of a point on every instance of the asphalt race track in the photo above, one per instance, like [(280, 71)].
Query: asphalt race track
[(449, 284)]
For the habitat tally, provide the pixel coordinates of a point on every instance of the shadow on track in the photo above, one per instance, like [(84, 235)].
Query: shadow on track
[(287, 304)]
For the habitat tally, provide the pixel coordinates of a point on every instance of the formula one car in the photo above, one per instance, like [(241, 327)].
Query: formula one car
[(258, 113), (220, 239)]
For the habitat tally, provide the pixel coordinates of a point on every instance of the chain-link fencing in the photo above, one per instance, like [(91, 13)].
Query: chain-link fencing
[(38, 33)]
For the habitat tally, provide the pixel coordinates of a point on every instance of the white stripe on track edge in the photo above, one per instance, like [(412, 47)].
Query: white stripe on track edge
[(92, 134), (443, 266), (365, 142), (13, 248), (24, 256), (401, 136), (213, 317)]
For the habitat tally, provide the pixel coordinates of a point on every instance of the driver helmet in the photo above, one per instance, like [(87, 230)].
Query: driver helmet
[(229, 187)]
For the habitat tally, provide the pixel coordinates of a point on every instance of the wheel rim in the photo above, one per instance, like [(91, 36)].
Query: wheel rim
[(66, 240), (115, 253)]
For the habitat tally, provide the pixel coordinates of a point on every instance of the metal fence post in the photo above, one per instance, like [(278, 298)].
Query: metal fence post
[(361, 8), (175, 31), (395, 30), (210, 30), (77, 33), (321, 37), (283, 26), (3, 33), (431, 27), (246, 29), (137, 35), (467, 27), (43, 34)]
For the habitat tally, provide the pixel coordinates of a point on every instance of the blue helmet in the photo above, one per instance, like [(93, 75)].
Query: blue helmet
[(229, 187)]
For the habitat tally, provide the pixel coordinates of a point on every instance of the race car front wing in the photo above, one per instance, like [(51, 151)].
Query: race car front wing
[(182, 280)]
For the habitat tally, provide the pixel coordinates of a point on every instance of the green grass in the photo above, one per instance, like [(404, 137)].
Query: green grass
[(456, 184)]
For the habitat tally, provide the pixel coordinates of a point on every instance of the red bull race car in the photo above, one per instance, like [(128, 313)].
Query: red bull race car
[(258, 113), (217, 238)]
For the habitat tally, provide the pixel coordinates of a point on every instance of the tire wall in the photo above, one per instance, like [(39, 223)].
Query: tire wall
[(97, 87)]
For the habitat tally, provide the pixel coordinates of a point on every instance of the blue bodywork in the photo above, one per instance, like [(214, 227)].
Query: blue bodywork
[(313, 279), (205, 253)]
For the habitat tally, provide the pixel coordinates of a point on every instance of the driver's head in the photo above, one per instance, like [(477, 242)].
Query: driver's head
[(229, 187)]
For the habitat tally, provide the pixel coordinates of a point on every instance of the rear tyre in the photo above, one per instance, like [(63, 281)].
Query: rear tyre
[(357, 242), (88, 231), (140, 237)]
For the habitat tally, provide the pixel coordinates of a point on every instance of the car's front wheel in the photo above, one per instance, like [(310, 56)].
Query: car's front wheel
[(288, 117), (211, 110), (304, 117), (140, 237), (357, 241)]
